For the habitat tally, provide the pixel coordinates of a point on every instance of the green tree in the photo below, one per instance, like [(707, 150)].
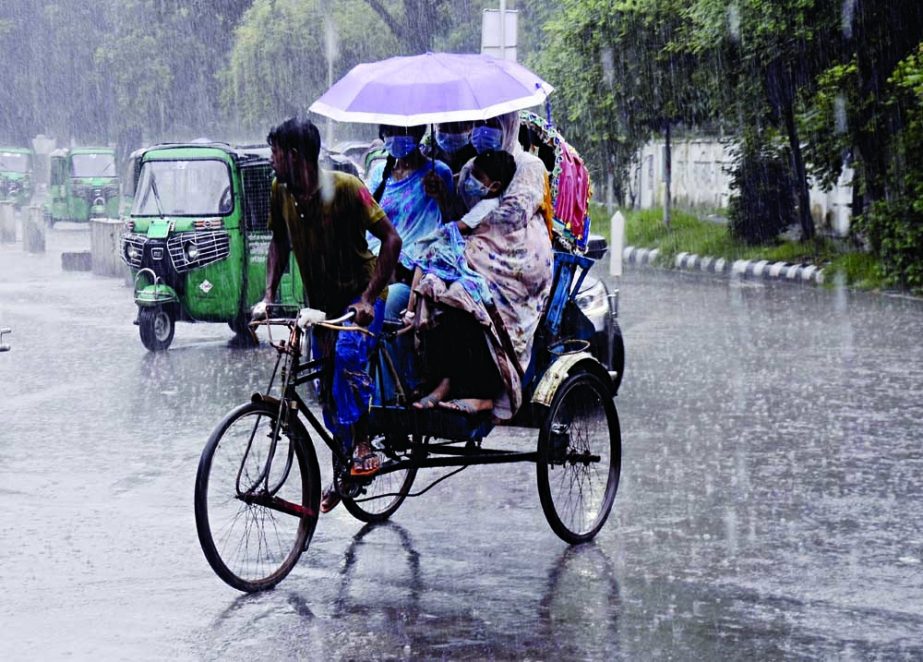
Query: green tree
[(278, 65), (894, 224), (627, 70), (414, 23), (774, 52), (49, 81)]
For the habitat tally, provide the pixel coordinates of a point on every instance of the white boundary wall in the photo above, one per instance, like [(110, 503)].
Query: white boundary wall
[(701, 181)]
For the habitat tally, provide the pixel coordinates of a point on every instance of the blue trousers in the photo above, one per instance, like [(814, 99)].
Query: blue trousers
[(348, 394)]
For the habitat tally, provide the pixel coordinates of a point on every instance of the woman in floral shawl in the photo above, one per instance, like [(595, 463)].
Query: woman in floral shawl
[(511, 249)]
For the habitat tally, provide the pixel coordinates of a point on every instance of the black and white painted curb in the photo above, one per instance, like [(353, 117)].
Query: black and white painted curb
[(739, 268)]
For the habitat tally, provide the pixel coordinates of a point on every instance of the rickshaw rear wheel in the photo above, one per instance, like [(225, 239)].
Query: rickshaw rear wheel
[(252, 527), (371, 505), (156, 326), (579, 458)]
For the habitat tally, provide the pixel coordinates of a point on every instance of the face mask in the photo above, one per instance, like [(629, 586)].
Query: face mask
[(486, 139), (451, 142), (400, 146), (474, 188)]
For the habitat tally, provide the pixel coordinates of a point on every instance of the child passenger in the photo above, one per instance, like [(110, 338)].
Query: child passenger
[(443, 252)]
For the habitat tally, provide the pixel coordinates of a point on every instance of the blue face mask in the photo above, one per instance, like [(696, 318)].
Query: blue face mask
[(400, 146), (486, 139), (451, 142), (474, 188)]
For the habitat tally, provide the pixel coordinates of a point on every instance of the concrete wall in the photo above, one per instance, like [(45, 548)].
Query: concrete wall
[(701, 181), (8, 223), (105, 240)]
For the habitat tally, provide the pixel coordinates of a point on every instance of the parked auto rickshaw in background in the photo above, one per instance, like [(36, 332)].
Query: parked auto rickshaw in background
[(16, 175), (129, 181), (196, 240), (84, 185)]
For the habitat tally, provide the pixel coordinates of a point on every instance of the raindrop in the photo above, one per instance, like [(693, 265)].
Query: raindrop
[(846, 17), (608, 64), (734, 22), (839, 110)]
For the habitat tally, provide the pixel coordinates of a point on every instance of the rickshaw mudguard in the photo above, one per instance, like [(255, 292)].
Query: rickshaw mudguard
[(558, 371), (155, 295)]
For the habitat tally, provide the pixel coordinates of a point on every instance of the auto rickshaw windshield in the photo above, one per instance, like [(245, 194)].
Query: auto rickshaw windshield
[(184, 188), (93, 165), (13, 162)]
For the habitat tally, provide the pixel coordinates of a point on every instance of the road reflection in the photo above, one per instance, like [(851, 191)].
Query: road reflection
[(579, 612), (388, 600)]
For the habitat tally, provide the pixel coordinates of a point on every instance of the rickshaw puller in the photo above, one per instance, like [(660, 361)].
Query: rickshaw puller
[(323, 218)]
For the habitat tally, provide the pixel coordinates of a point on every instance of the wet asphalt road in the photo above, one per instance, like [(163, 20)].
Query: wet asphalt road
[(771, 503)]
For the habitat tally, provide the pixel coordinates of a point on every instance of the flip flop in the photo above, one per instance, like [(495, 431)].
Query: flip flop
[(330, 499), (365, 465)]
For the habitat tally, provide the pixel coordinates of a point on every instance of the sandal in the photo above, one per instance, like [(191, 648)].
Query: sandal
[(330, 499), (365, 465)]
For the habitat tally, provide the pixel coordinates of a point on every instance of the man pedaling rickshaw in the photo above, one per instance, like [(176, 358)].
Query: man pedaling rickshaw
[(322, 216)]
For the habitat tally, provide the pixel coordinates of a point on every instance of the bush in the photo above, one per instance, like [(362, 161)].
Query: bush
[(894, 229), (762, 203), (894, 226)]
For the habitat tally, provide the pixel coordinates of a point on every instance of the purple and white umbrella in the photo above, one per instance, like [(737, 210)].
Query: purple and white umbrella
[(431, 88)]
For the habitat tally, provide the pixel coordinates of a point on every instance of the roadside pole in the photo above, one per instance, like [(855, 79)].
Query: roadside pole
[(616, 246)]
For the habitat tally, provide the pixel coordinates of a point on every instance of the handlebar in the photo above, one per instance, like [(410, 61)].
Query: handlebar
[(350, 314), (307, 317)]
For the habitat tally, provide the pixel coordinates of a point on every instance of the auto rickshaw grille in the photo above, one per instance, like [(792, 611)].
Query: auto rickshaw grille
[(210, 247)]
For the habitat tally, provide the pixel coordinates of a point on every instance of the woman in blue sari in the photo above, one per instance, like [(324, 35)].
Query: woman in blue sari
[(399, 186)]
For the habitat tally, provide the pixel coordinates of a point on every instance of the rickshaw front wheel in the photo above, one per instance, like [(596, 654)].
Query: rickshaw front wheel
[(156, 326), (579, 458), (257, 496)]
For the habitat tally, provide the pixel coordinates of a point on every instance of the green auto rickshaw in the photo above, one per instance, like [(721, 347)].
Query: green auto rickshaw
[(84, 184), (196, 240), (16, 175), (129, 182)]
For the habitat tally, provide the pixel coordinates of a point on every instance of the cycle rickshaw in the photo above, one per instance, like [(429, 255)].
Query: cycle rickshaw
[(258, 489)]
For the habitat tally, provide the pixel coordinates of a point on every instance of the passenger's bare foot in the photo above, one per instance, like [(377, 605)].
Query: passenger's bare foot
[(436, 396), (468, 405)]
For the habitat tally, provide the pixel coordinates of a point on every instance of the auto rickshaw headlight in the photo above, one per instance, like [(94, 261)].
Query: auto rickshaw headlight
[(191, 250)]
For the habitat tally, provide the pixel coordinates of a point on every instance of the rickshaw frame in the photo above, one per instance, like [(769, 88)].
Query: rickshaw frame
[(406, 437)]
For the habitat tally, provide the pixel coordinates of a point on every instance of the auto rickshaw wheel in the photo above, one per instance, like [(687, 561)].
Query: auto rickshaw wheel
[(156, 326)]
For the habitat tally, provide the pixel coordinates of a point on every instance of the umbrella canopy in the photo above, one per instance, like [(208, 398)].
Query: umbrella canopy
[(430, 88)]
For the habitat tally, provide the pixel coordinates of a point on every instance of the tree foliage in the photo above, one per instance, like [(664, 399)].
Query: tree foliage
[(624, 71), (802, 86), (894, 225)]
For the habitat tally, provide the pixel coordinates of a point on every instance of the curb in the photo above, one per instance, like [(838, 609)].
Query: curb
[(805, 273)]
